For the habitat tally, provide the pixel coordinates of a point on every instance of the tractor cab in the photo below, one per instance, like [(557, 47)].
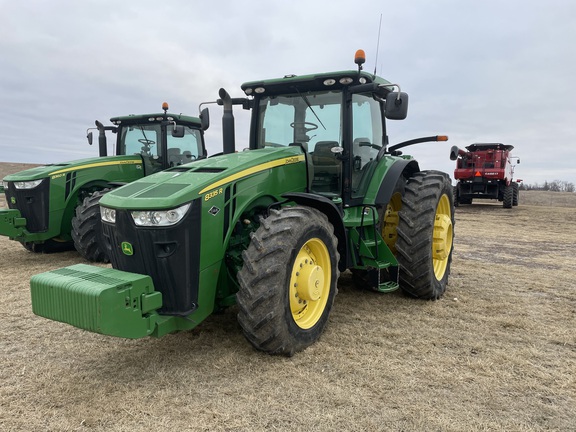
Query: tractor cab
[(163, 140), (337, 118)]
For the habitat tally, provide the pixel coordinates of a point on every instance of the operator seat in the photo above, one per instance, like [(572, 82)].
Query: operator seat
[(174, 156), (327, 167)]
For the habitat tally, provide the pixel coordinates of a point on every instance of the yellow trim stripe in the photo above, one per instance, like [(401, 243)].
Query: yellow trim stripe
[(98, 164), (254, 170)]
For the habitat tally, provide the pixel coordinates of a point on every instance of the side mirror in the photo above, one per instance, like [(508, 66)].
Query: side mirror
[(396, 105), (205, 118), (89, 136), (178, 131)]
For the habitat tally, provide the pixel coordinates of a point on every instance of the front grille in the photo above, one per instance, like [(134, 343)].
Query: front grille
[(169, 255), (32, 203)]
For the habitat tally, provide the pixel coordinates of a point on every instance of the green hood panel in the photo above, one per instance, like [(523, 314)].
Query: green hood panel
[(44, 171), (185, 183)]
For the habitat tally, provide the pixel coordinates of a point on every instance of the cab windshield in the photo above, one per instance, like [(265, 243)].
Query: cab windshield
[(312, 120), (304, 118), (146, 140)]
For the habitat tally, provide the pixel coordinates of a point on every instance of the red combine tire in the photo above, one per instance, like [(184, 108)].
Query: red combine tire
[(508, 199), (516, 194)]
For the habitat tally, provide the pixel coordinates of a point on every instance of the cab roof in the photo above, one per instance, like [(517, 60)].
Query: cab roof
[(313, 82), (489, 146), (156, 117)]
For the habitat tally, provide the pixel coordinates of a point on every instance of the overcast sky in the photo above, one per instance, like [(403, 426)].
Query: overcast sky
[(478, 71)]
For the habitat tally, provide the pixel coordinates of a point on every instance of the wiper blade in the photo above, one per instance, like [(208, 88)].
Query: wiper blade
[(305, 99)]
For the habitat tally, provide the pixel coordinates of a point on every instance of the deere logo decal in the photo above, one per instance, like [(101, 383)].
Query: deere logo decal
[(13, 200), (127, 248)]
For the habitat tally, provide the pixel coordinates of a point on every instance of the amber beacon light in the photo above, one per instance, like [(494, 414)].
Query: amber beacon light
[(360, 57)]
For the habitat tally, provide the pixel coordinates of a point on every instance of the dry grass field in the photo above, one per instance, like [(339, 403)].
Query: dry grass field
[(497, 352)]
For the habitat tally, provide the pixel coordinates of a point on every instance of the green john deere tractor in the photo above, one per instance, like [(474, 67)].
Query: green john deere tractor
[(55, 207), (269, 227)]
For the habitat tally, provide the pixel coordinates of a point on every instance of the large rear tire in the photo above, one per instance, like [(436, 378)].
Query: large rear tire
[(425, 235), (87, 229), (288, 281)]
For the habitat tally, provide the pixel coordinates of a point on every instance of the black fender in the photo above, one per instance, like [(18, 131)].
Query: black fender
[(334, 215), (401, 167)]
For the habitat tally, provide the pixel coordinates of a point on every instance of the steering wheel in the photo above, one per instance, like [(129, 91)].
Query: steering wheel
[(146, 141), (367, 144), (313, 126)]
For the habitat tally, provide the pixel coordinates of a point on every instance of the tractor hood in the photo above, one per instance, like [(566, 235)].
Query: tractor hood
[(52, 170), (176, 186)]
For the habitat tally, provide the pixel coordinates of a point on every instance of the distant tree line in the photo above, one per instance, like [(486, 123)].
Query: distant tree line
[(552, 186)]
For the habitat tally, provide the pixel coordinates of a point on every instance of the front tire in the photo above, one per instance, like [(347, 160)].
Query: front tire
[(288, 281), (425, 235), (87, 229)]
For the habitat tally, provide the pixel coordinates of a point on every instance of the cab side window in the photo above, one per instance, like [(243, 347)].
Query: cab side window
[(367, 140), (184, 149)]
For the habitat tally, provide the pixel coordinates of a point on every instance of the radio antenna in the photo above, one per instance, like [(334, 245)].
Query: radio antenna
[(378, 44)]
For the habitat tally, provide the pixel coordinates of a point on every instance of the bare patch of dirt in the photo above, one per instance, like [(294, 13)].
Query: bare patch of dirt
[(546, 198), (497, 352)]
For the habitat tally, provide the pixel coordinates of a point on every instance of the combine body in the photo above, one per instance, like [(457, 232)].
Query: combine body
[(485, 171), (55, 207), (270, 227)]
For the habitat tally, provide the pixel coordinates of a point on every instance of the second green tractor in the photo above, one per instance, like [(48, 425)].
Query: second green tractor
[(55, 207)]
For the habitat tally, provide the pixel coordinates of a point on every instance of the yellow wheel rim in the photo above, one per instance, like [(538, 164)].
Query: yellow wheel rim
[(442, 237), (390, 226), (310, 283)]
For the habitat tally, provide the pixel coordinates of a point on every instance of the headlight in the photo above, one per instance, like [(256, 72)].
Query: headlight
[(159, 217), (27, 184), (108, 214), (5, 185)]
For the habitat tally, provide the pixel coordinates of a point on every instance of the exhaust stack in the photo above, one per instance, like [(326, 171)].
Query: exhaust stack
[(102, 145), (228, 135)]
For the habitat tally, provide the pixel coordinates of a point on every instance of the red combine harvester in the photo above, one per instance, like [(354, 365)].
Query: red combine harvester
[(485, 171)]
